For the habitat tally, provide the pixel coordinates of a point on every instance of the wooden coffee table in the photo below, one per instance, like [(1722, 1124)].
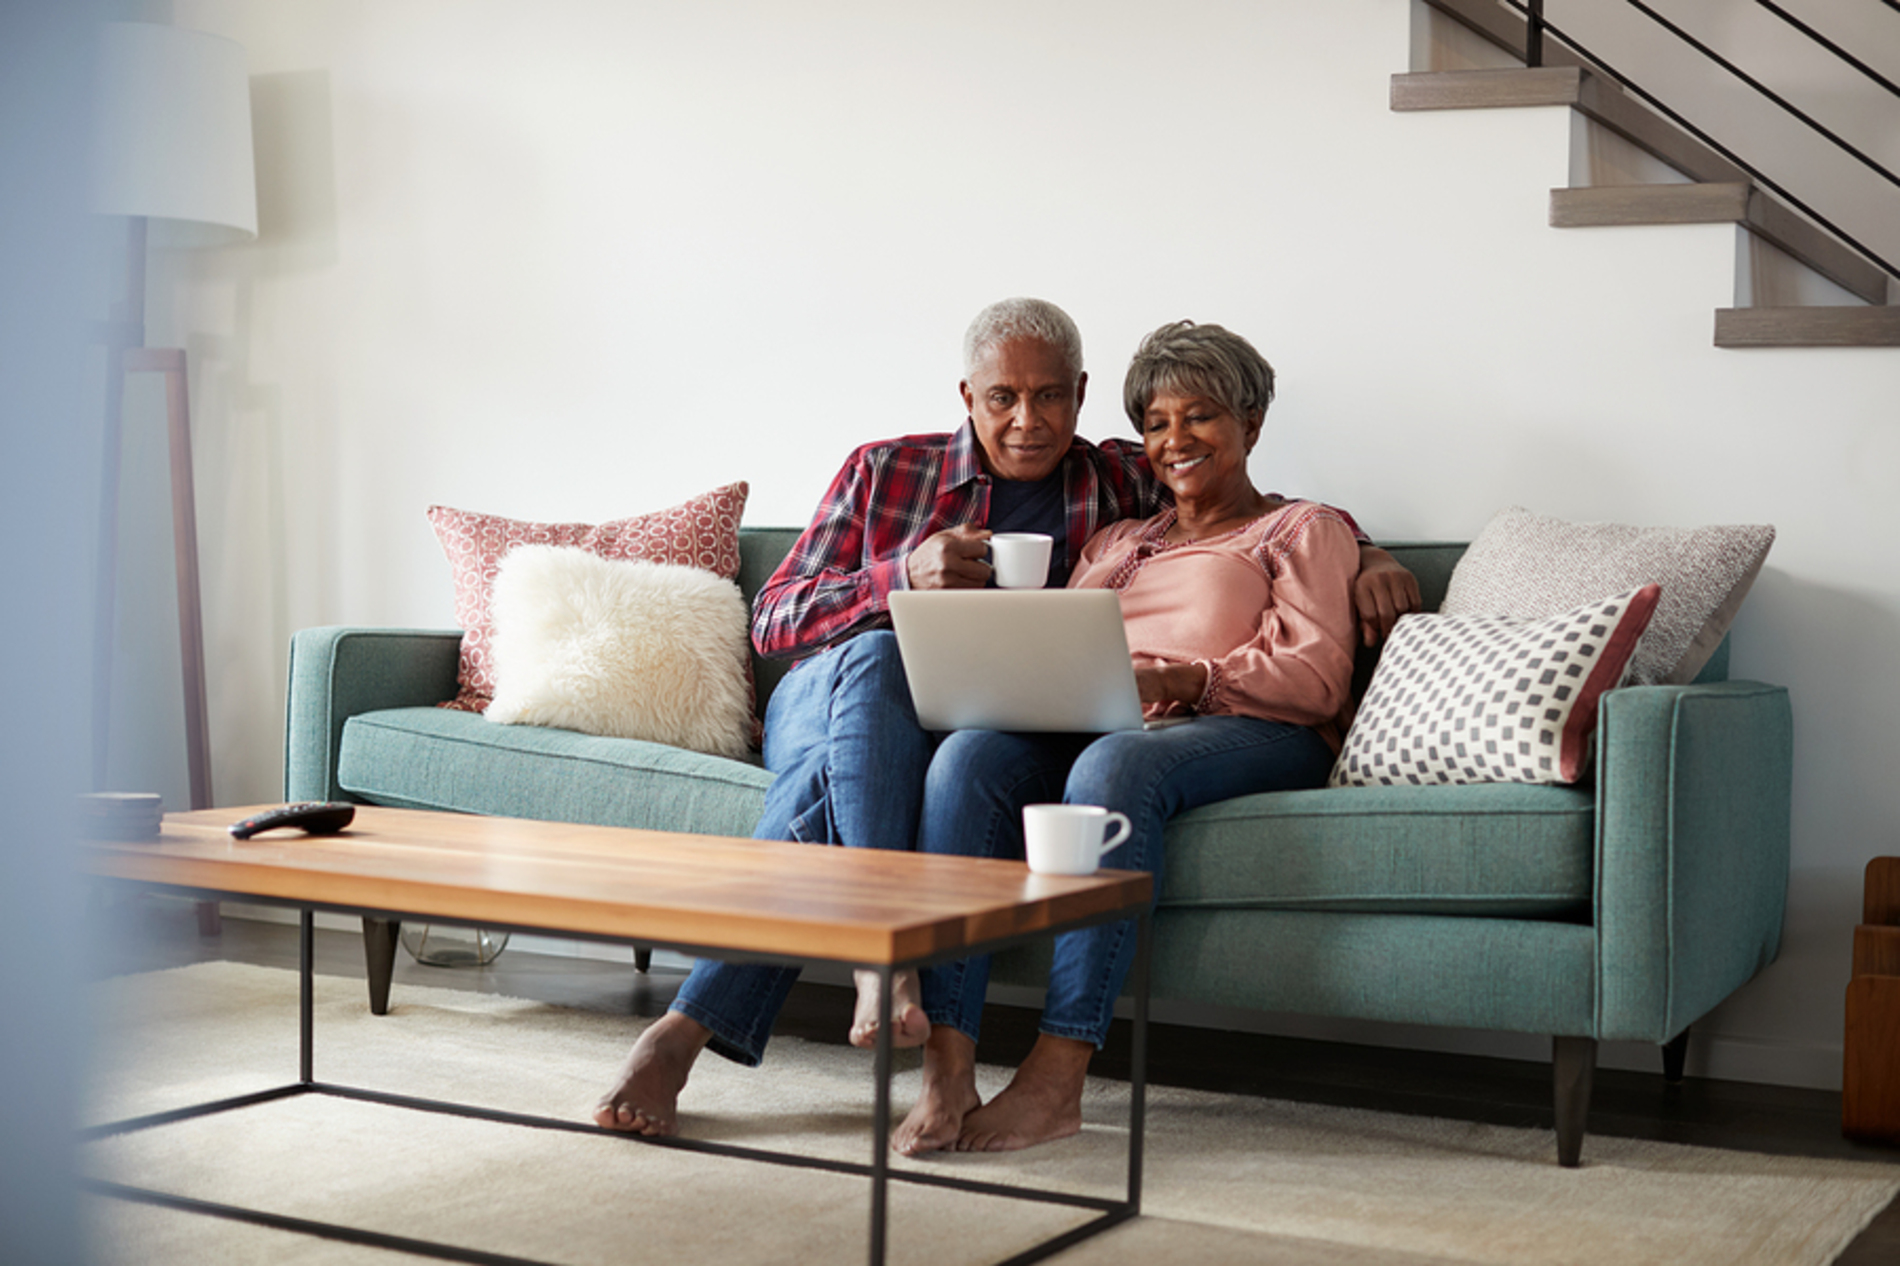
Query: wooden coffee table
[(708, 896)]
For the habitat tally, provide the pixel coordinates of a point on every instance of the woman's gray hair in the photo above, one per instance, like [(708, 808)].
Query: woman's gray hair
[(1185, 359), (1009, 319)]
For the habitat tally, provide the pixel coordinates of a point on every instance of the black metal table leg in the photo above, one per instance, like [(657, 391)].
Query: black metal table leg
[(1138, 1060), (307, 998), (881, 1119)]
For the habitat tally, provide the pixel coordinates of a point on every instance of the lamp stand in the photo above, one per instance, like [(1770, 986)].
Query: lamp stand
[(126, 354), (170, 362)]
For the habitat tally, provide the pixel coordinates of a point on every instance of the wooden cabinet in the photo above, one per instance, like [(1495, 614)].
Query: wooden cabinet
[(1870, 1087)]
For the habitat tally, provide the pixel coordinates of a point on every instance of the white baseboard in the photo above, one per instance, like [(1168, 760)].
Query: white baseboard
[(1813, 1066)]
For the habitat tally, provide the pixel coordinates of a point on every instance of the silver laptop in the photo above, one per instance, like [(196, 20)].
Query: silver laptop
[(1017, 659)]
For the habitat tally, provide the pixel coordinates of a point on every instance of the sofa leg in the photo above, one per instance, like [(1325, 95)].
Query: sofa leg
[(642, 959), (380, 937), (1573, 1063), (1675, 1053)]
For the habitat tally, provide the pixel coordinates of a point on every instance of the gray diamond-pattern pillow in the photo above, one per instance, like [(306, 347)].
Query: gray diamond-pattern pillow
[(1528, 565), (1473, 699)]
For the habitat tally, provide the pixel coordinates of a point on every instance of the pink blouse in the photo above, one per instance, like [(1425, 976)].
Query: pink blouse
[(1266, 609)]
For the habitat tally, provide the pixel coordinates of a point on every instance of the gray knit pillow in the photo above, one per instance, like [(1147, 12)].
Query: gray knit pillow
[(1528, 566)]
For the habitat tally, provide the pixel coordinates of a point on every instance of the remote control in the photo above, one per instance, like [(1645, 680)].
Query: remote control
[(318, 817)]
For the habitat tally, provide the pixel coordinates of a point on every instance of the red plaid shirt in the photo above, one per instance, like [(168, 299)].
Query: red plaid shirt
[(891, 497)]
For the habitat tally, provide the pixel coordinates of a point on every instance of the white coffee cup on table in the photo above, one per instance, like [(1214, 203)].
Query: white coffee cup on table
[(1070, 839), (1021, 559)]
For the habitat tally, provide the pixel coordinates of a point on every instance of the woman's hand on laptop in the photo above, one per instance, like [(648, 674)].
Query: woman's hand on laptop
[(955, 558)]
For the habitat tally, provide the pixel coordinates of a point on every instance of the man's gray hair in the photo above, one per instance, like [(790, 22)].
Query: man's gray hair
[(1009, 319), (1185, 359)]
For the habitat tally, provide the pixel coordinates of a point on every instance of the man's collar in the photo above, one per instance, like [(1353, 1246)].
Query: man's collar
[(963, 464)]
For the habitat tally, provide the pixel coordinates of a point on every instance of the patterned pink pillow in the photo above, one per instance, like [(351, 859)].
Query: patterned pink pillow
[(702, 532)]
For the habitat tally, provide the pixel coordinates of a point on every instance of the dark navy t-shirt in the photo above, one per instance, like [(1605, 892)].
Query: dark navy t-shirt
[(1020, 506)]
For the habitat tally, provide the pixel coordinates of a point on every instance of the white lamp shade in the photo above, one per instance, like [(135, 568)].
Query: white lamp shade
[(172, 134)]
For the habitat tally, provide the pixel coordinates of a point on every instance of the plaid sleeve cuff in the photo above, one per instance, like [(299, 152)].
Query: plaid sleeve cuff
[(880, 580)]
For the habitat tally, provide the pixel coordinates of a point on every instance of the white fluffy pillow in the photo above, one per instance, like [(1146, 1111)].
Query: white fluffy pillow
[(637, 650)]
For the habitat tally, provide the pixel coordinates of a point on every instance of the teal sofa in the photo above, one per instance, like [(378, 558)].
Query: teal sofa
[(1624, 908)]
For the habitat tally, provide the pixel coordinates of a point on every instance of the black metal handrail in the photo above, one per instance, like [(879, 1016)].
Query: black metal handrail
[(1538, 25)]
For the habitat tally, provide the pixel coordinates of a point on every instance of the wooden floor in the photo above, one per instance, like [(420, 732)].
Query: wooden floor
[(147, 933)]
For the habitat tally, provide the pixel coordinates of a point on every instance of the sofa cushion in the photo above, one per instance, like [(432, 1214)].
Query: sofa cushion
[(437, 758), (1502, 850)]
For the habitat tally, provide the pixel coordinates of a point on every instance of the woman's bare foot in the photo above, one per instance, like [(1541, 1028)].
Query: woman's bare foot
[(645, 1100), (949, 1095), (1042, 1103), (909, 1025)]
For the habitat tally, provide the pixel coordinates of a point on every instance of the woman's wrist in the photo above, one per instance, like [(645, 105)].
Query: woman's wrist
[(1182, 684), (1187, 684)]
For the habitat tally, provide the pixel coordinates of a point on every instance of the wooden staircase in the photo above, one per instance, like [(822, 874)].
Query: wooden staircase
[(1719, 191)]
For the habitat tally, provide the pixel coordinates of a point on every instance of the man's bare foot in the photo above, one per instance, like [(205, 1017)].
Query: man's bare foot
[(949, 1095), (645, 1100), (909, 1025), (1042, 1103)]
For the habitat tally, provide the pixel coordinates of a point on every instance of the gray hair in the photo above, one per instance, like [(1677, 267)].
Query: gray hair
[(1186, 359), (1009, 319)]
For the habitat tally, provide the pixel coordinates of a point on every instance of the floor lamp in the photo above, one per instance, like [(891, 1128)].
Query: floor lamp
[(173, 156)]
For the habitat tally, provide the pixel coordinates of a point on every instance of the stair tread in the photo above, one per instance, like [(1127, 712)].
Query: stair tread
[(1576, 86), (1871, 326), (1733, 201), (1649, 204), (1487, 89)]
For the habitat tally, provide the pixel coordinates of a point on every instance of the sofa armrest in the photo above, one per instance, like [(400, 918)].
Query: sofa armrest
[(337, 672), (1694, 786)]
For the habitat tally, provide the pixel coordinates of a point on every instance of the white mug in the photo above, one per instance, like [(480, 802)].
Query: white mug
[(1021, 559), (1069, 839)]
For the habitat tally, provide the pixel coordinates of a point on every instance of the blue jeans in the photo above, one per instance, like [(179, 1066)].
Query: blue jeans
[(973, 802), (848, 759)]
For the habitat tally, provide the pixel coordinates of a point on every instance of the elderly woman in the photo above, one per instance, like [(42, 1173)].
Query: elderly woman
[(1239, 614)]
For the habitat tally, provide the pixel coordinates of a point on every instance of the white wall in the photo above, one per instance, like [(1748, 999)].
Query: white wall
[(583, 259)]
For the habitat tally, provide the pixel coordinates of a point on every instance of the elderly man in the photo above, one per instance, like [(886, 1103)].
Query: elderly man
[(841, 737)]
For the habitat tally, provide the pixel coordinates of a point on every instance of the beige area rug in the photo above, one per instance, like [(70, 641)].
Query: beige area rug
[(1229, 1178)]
